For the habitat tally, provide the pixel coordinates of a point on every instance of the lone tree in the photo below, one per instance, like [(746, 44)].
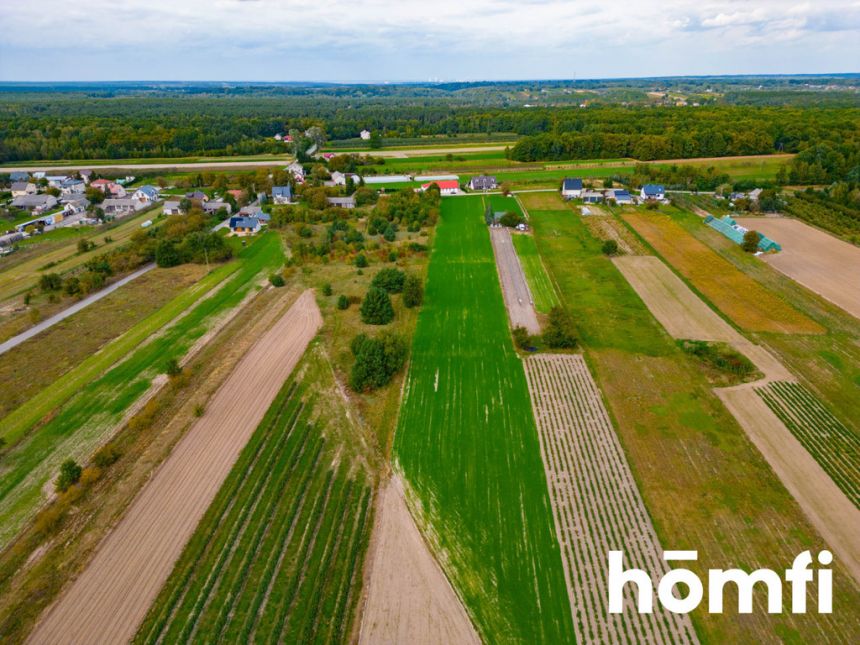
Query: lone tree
[(173, 368), (413, 291), (376, 307), (560, 331), (70, 474), (750, 243), (610, 247), (360, 261)]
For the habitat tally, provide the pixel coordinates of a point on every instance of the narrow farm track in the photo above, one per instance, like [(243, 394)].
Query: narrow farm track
[(518, 297), (409, 600), (596, 505), (107, 602)]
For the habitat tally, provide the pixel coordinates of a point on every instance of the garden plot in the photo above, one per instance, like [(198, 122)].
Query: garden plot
[(107, 602), (596, 505), (518, 297), (834, 447), (409, 600), (820, 262), (609, 228)]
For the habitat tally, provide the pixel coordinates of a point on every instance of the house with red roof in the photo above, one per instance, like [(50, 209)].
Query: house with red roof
[(446, 187)]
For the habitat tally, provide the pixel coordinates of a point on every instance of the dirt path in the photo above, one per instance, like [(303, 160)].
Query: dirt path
[(409, 598), (820, 262), (110, 598), (518, 298), (827, 507), (596, 505), (683, 314)]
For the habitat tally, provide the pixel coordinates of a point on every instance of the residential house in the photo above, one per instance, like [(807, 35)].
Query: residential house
[(251, 211), (19, 176), (86, 175), (121, 206), (365, 135), (653, 191), (244, 225), (39, 174), (54, 181), (171, 208), (109, 187), (483, 182), (449, 187), (238, 195), (22, 188), (73, 187), (338, 178), (571, 188), (592, 196), (297, 170), (341, 202), (215, 205), (147, 194), (76, 206), (198, 195), (282, 194), (621, 196), (35, 203)]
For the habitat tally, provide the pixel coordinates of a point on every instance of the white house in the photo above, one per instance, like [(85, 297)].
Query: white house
[(171, 208), (21, 188), (571, 188), (75, 207), (296, 170), (146, 194), (338, 178), (282, 194), (365, 134), (120, 206), (653, 191)]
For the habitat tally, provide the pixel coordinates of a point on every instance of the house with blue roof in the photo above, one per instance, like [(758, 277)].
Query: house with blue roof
[(244, 225), (653, 191), (620, 196), (146, 194), (282, 194), (571, 188)]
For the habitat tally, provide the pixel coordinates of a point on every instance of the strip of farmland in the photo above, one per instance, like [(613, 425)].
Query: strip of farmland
[(468, 447), (89, 417), (545, 297), (596, 504), (106, 603)]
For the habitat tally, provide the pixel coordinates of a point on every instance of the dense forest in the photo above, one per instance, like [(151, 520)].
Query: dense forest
[(641, 118)]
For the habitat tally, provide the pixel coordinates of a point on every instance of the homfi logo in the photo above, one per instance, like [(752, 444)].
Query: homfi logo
[(670, 595)]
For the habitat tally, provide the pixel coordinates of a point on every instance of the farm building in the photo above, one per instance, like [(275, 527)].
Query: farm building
[(35, 203), (620, 196), (244, 225), (387, 179), (282, 194), (735, 232), (21, 188), (653, 191), (571, 188), (215, 205), (592, 197), (171, 208), (341, 202), (251, 211), (73, 187), (483, 182), (121, 206), (449, 187)]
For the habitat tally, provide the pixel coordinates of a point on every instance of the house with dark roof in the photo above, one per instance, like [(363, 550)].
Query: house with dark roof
[(282, 194), (215, 205), (35, 203), (244, 225), (653, 191), (592, 196), (21, 188), (620, 196), (250, 211), (341, 202), (571, 188), (483, 182), (171, 208), (198, 195)]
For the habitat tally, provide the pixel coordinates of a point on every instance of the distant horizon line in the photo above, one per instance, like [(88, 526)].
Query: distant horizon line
[(435, 81)]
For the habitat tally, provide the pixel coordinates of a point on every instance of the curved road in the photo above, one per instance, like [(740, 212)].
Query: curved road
[(69, 311)]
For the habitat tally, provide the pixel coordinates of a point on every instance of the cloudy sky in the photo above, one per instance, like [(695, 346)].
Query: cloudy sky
[(378, 40)]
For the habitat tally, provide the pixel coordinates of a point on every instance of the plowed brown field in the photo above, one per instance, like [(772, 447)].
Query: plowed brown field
[(108, 601)]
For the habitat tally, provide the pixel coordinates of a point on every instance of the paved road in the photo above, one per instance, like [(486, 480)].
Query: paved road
[(69, 311)]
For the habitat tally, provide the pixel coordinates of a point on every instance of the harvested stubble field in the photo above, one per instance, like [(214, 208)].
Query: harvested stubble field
[(467, 445), (409, 600), (541, 286), (68, 343), (833, 446), (597, 505), (93, 412), (106, 604), (685, 450), (515, 289), (742, 299), (825, 264)]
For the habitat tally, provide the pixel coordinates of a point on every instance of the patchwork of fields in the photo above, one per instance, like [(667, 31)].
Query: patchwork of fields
[(79, 427), (468, 447)]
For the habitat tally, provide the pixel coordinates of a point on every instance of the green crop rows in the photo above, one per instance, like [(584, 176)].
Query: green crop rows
[(89, 416), (833, 446), (539, 282), (279, 553), (467, 444)]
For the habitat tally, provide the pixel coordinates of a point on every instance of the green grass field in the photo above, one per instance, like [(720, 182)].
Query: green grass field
[(541, 286), (279, 554), (467, 445), (78, 428)]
